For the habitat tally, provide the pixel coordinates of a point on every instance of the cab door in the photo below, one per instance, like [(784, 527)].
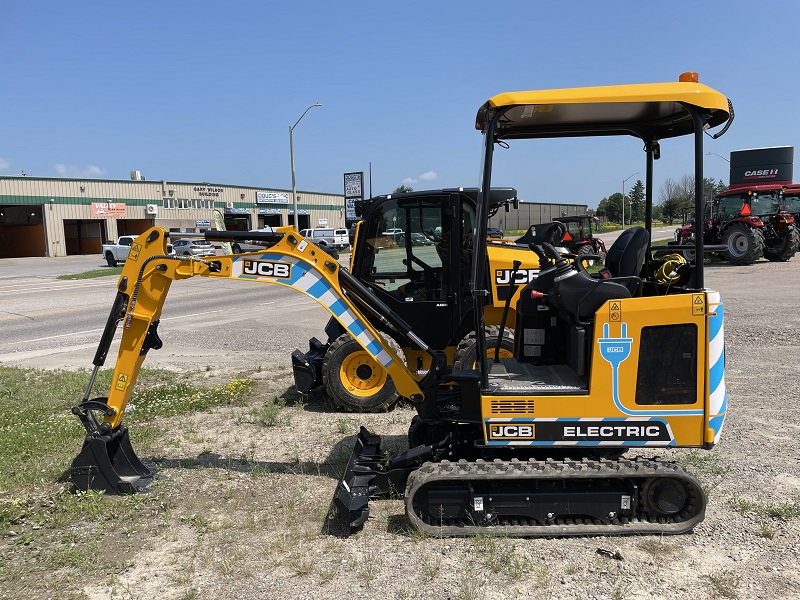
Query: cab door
[(416, 271)]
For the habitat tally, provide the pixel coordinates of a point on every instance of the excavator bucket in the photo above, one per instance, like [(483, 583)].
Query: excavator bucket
[(108, 463)]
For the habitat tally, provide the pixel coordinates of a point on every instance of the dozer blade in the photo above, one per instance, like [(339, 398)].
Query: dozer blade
[(371, 473), (352, 493), (108, 463)]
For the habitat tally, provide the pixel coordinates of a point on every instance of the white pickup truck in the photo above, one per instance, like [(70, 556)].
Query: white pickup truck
[(118, 252), (328, 237)]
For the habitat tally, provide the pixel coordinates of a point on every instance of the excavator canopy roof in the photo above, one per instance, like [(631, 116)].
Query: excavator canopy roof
[(650, 111)]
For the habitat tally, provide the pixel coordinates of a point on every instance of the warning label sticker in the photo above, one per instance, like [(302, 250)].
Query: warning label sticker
[(122, 382), (615, 311), (698, 304)]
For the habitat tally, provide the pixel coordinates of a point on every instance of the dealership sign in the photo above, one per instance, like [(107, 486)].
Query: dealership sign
[(271, 198), (353, 190), (107, 210)]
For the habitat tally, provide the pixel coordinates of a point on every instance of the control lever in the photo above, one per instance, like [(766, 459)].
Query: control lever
[(544, 262), (512, 290)]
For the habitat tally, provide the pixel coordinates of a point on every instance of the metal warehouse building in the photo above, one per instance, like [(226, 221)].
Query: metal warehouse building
[(61, 217)]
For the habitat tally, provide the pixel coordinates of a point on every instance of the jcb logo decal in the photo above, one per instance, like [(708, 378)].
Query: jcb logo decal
[(267, 268), (511, 432), (503, 276)]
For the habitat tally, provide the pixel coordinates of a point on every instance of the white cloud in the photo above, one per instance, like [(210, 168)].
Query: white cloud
[(90, 171), (426, 176), (429, 176), (4, 164)]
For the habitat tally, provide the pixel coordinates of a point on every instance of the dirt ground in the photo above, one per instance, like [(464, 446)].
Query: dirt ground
[(249, 492)]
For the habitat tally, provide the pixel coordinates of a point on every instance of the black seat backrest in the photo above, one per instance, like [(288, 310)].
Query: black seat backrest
[(543, 232), (625, 258)]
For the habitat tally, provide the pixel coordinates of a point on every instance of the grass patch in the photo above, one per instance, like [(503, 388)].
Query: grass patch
[(705, 461), (93, 273), (724, 584), (39, 435), (783, 510), (50, 537)]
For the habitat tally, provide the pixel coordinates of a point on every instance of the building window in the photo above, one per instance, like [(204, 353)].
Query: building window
[(183, 203), (169, 203)]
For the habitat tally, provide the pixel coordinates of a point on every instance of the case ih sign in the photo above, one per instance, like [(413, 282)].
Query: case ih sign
[(762, 165)]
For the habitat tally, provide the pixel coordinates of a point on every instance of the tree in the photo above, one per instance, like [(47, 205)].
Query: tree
[(611, 208), (637, 206), (676, 197), (402, 189)]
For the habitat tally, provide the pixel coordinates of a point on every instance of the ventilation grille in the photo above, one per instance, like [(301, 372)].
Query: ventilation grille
[(503, 406)]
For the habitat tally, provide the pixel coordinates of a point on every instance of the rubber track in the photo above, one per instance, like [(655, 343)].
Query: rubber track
[(642, 470)]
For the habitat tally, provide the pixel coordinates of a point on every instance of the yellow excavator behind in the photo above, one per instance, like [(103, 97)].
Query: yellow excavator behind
[(530, 444)]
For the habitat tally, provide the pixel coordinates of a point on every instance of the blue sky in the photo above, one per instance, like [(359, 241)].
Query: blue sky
[(206, 91)]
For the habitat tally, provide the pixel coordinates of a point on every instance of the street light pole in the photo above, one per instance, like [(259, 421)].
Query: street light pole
[(291, 152), (623, 198), (720, 155)]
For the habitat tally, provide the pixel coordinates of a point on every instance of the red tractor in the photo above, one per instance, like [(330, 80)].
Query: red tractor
[(578, 238), (749, 218)]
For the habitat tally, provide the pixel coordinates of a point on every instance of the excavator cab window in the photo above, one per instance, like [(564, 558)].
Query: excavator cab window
[(405, 243)]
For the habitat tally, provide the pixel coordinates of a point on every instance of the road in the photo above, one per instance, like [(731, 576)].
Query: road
[(51, 323)]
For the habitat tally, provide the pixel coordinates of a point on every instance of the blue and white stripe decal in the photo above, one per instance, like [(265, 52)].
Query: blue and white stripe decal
[(718, 395), (307, 280)]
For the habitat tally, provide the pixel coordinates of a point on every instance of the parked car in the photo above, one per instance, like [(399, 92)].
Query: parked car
[(194, 247), (494, 232), (419, 239)]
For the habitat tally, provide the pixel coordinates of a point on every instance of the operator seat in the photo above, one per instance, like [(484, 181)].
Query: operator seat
[(550, 233), (625, 258)]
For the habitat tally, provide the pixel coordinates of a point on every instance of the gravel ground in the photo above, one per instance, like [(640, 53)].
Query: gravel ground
[(250, 490)]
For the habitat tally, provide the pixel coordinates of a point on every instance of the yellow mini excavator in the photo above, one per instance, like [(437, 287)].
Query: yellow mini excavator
[(529, 444)]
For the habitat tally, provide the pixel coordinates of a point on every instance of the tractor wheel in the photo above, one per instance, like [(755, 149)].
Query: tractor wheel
[(785, 249), (688, 254), (583, 251), (112, 262), (466, 353), (354, 380), (745, 244)]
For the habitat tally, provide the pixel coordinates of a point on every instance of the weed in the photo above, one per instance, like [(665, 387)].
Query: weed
[(724, 583), (199, 522), (270, 414), (470, 589), (707, 462), (785, 510), (656, 547), (344, 426), (621, 589), (431, 565), (766, 530)]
